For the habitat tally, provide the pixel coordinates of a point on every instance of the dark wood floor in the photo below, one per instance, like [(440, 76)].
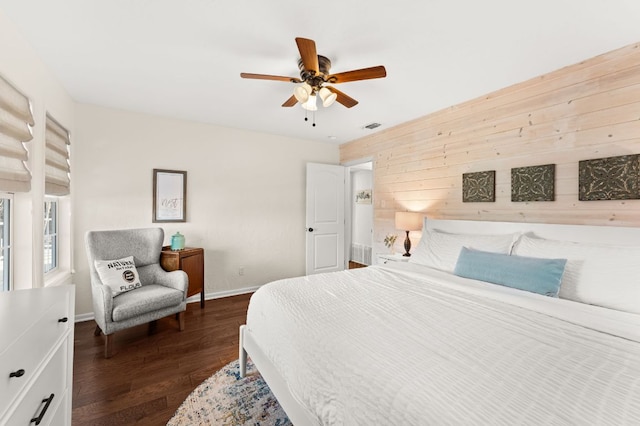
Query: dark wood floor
[(150, 375), (355, 265)]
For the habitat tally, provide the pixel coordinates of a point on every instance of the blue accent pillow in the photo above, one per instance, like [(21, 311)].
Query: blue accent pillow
[(536, 275)]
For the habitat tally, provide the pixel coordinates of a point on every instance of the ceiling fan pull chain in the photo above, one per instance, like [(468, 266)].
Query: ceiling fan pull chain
[(314, 119), (305, 115)]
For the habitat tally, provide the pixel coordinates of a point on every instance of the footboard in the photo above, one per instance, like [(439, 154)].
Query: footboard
[(297, 413)]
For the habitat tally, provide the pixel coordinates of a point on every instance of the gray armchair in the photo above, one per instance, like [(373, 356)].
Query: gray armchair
[(162, 293)]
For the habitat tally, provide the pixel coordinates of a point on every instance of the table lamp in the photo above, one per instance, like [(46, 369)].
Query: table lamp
[(408, 221)]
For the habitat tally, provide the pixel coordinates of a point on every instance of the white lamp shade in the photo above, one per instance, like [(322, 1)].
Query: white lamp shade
[(302, 92), (310, 105), (409, 221), (327, 96)]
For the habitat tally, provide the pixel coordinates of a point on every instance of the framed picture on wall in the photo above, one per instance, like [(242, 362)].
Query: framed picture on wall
[(363, 196), (169, 195), (479, 187)]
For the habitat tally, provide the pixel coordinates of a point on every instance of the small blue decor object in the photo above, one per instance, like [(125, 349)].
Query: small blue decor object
[(177, 241)]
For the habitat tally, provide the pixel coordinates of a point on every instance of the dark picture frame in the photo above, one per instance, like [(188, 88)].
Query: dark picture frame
[(533, 183), (479, 187), (610, 178), (169, 196)]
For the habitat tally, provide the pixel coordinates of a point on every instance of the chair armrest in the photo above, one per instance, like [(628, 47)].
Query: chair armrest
[(102, 304), (175, 279)]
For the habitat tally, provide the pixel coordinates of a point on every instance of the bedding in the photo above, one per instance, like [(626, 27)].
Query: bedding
[(405, 344), (440, 250), (597, 274)]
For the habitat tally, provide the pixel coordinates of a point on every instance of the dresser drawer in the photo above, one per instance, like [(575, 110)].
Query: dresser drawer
[(28, 349), (52, 381), (60, 417)]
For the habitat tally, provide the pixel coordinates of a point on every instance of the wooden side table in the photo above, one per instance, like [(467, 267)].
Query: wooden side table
[(191, 261)]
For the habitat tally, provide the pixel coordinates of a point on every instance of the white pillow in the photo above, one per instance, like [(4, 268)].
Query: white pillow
[(440, 250), (120, 274), (600, 275)]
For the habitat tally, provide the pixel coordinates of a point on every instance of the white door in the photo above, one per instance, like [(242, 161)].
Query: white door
[(325, 218)]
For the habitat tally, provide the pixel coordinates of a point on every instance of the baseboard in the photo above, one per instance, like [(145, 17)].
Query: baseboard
[(221, 294), (193, 299), (85, 317)]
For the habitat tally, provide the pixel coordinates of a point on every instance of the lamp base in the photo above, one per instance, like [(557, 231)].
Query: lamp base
[(407, 245)]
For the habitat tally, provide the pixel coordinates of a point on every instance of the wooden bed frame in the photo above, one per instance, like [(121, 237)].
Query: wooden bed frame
[(611, 235)]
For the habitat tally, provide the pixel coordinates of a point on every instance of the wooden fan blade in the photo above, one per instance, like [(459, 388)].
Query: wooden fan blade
[(355, 75), (308, 54), (290, 102), (342, 98), (270, 77)]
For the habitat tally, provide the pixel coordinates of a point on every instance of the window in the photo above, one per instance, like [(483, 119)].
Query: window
[(5, 242), (57, 182), (50, 235), (16, 121), (57, 168), (15, 131)]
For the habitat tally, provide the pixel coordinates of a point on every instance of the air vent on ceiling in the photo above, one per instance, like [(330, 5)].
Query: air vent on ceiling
[(372, 126)]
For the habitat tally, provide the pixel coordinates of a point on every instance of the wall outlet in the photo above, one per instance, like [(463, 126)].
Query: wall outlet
[(241, 271)]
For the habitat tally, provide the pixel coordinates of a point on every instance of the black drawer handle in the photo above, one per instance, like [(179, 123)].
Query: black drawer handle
[(38, 419), (18, 373), (65, 319)]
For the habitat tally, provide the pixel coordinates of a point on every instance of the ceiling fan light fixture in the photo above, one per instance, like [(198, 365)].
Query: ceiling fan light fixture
[(327, 96), (314, 73), (302, 92), (310, 105)]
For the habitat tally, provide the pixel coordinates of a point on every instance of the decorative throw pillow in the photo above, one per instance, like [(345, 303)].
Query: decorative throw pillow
[(119, 274), (532, 274), (440, 250)]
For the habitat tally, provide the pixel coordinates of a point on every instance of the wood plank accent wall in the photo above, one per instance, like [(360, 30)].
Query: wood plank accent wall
[(583, 111)]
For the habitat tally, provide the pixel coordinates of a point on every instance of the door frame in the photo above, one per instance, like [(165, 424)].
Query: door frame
[(348, 211)]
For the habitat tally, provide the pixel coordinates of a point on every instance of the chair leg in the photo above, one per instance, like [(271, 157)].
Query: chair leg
[(181, 320), (153, 326), (97, 331), (108, 345)]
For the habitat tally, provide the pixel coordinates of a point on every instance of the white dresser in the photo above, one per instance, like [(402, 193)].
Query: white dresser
[(36, 356)]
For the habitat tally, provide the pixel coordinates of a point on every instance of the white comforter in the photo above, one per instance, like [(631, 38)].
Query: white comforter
[(407, 345)]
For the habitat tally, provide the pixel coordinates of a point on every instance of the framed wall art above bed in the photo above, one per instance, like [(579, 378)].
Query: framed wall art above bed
[(479, 187), (533, 183), (611, 178)]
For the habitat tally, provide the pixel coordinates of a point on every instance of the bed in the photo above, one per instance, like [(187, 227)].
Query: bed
[(431, 341)]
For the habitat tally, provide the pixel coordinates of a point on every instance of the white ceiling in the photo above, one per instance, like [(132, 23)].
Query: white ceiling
[(183, 58)]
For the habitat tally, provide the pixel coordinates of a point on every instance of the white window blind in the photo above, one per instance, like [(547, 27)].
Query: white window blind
[(16, 120), (56, 180)]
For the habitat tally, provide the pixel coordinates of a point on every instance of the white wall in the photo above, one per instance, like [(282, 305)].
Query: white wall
[(245, 195), (21, 65), (362, 214)]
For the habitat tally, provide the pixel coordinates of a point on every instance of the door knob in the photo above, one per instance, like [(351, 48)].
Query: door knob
[(310, 229)]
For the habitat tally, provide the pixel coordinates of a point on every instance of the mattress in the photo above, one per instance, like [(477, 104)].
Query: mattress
[(408, 345)]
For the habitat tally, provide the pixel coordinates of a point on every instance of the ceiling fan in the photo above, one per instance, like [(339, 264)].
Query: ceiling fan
[(314, 75)]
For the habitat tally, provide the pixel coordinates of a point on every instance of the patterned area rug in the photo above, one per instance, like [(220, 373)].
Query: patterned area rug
[(226, 399)]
